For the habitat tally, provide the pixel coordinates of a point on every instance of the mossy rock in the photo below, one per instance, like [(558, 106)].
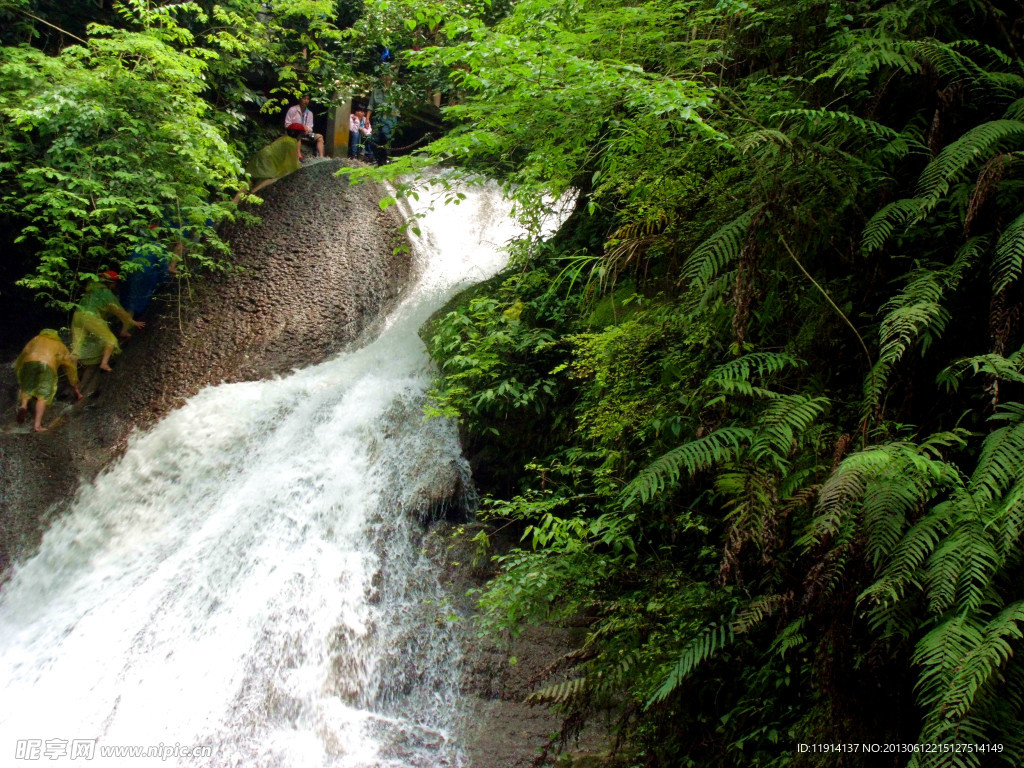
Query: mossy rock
[(612, 309)]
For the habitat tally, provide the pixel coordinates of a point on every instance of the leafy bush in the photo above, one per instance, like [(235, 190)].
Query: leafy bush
[(788, 481)]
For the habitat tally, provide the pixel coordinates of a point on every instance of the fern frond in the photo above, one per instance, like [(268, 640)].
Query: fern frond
[(734, 377), (714, 294), (1004, 368), (1001, 462), (903, 146), (834, 117), (712, 256), (938, 443), (908, 557), (949, 62), (916, 312), (714, 638), (1008, 520), (600, 682), (842, 493), (760, 364), (754, 139), (940, 652), (644, 227), (561, 693), (959, 658), (751, 497), (629, 243), (790, 637), (717, 448), (870, 53), (916, 315), (888, 504), (784, 418), (943, 574), (755, 613), (1011, 413), (880, 227), (979, 559), (1009, 256), (952, 163), (916, 476), (949, 166), (980, 47), (896, 622)]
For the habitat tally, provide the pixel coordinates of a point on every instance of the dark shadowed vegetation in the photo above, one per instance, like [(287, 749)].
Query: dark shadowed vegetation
[(758, 405)]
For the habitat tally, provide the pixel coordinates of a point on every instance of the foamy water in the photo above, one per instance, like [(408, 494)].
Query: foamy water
[(248, 577)]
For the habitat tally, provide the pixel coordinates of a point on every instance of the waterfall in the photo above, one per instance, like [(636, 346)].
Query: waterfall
[(248, 576)]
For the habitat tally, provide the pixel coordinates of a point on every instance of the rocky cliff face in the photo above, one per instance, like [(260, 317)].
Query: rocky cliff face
[(315, 272)]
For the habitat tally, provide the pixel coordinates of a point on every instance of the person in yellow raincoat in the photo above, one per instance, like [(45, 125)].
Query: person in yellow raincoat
[(92, 341), (37, 369)]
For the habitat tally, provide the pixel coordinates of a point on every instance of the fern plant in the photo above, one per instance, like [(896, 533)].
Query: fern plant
[(916, 317), (932, 532)]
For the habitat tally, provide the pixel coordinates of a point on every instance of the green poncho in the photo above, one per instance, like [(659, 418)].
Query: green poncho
[(275, 160), (90, 334)]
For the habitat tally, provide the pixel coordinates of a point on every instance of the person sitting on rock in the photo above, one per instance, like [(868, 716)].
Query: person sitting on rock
[(37, 369), (357, 128), (91, 338), (364, 136), (298, 117)]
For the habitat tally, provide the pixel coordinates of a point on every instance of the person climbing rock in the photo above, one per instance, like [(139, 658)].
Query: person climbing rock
[(298, 117), (271, 163), (37, 370), (92, 341), (154, 263)]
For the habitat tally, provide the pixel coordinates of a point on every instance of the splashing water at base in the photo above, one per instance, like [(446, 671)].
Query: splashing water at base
[(248, 576)]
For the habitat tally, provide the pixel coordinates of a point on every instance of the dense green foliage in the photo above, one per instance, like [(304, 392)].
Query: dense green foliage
[(758, 406), (128, 122), (116, 120), (759, 402)]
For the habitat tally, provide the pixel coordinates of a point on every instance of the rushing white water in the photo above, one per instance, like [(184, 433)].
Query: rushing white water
[(248, 576)]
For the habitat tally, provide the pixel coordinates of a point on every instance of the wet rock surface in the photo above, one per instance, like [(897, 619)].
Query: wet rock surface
[(500, 673), (313, 274)]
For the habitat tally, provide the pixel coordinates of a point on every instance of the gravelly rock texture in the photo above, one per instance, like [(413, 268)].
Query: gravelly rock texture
[(314, 273)]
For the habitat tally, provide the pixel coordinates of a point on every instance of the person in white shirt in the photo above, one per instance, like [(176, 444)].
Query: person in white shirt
[(299, 115)]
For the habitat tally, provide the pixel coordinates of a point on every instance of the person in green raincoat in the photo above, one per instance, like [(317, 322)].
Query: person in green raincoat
[(92, 341), (277, 159), (37, 369)]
